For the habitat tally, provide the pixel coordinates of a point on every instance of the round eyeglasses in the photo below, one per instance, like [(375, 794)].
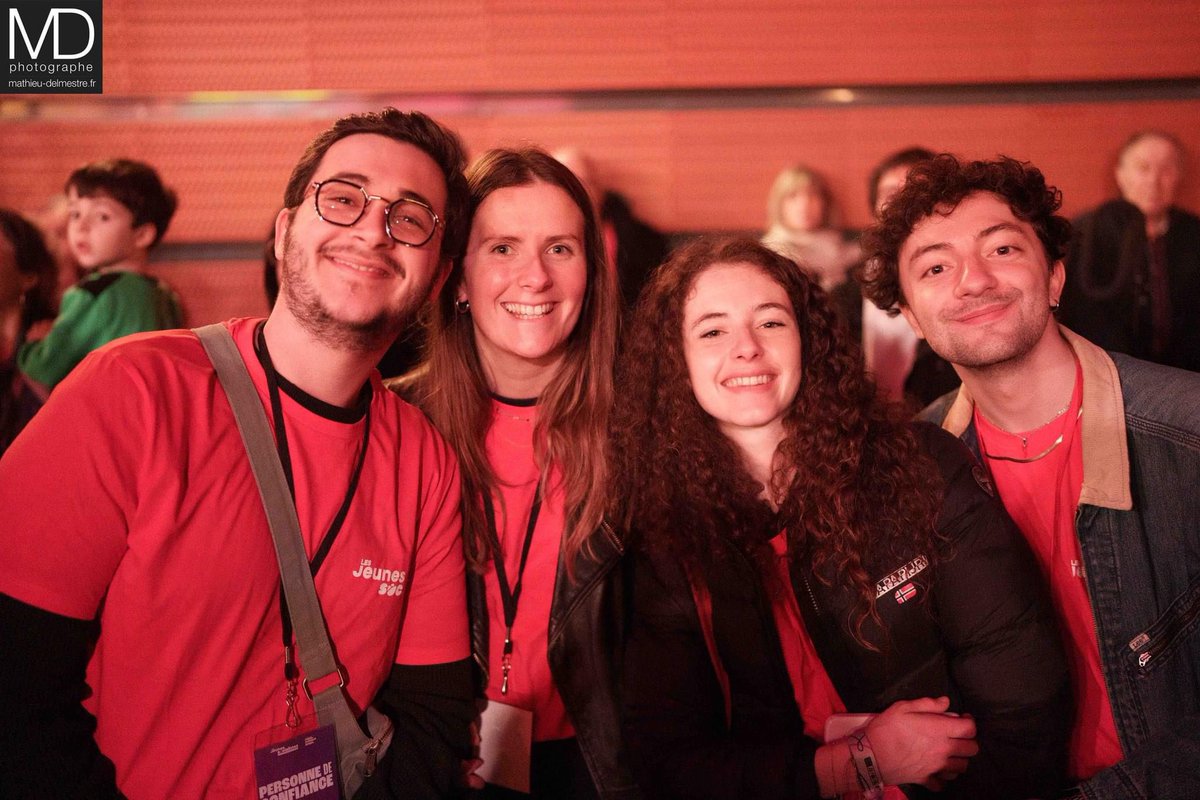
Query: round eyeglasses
[(407, 221)]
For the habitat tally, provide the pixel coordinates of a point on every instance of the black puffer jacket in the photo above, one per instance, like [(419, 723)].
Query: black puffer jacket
[(979, 629)]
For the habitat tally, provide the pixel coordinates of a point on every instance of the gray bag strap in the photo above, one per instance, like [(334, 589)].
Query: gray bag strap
[(315, 651)]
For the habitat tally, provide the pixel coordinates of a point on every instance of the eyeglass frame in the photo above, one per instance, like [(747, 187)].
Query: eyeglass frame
[(387, 211)]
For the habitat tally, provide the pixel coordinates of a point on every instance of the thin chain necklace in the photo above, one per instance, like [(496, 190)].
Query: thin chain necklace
[(1044, 453)]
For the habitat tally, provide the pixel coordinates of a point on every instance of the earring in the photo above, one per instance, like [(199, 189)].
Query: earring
[(1054, 305), (462, 306)]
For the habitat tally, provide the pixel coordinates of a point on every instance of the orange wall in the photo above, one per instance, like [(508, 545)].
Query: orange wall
[(472, 45), (222, 97), (684, 170)]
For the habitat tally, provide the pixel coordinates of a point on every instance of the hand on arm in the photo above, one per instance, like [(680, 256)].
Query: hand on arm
[(915, 742)]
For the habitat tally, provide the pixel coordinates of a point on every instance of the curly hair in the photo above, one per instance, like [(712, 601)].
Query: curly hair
[(851, 474), (937, 186)]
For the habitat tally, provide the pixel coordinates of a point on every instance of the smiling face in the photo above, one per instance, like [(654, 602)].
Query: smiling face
[(353, 287), (101, 233), (977, 284), (741, 343), (525, 276)]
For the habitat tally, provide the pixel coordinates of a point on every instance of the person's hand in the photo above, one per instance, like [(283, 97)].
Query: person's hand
[(917, 741), (468, 767)]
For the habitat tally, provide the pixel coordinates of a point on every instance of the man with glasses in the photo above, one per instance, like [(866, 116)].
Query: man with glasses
[(139, 574)]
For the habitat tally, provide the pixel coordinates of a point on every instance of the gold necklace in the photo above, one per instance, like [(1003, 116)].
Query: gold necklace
[(1039, 456)]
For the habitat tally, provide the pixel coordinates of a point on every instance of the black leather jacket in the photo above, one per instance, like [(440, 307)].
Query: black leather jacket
[(587, 621), (978, 629)]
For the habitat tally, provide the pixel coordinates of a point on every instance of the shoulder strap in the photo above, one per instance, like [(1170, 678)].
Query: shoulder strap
[(315, 650)]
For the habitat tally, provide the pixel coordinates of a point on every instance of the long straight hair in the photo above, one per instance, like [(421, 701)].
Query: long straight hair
[(572, 428)]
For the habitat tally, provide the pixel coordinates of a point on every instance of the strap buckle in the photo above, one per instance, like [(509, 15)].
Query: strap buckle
[(341, 673)]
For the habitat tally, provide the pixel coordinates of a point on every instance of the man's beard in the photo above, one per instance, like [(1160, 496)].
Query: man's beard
[(996, 352), (306, 305)]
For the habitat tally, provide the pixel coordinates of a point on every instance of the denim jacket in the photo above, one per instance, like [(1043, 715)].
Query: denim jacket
[(1138, 524)]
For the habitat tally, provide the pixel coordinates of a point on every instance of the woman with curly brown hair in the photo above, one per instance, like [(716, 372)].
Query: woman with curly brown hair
[(518, 378), (801, 552)]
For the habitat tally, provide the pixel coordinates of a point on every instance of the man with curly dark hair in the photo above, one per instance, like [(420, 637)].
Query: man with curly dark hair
[(1093, 453)]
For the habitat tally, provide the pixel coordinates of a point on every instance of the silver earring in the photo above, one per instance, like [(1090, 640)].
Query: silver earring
[(1054, 306), (462, 306)]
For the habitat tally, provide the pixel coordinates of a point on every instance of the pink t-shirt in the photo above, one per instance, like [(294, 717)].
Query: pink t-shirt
[(130, 495), (1042, 496), (530, 685)]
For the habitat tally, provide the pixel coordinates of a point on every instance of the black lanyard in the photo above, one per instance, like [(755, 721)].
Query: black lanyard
[(285, 459), (510, 595)]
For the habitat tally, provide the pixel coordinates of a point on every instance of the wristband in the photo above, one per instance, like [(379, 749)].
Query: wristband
[(866, 767)]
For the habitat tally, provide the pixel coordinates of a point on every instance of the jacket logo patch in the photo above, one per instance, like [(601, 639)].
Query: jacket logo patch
[(901, 576), (905, 593)]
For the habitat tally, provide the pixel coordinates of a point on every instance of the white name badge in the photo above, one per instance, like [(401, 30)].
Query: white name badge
[(506, 736)]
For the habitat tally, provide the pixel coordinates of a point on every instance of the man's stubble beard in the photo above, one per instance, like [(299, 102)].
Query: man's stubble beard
[(1000, 354), (308, 308)]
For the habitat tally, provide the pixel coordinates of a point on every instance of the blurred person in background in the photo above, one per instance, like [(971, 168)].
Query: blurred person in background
[(800, 225), (28, 276), (52, 221), (633, 246), (904, 367), (1133, 273), (119, 211)]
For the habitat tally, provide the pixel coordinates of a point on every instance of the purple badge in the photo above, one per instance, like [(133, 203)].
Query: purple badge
[(303, 766)]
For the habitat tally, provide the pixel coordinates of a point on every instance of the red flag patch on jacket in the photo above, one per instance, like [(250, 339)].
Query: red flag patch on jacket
[(905, 593)]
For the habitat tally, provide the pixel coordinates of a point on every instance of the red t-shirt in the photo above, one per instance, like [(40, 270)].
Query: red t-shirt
[(130, 495), (1042, 496), (530, 685)]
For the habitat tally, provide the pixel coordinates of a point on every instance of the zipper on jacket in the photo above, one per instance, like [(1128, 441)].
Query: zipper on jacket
[(811, 595), (1148, 646)]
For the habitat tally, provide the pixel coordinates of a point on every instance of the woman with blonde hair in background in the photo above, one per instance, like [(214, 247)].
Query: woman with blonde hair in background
[(801, 217)]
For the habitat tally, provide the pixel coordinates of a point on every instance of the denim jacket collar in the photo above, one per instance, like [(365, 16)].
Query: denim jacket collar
[(1105, 448)]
